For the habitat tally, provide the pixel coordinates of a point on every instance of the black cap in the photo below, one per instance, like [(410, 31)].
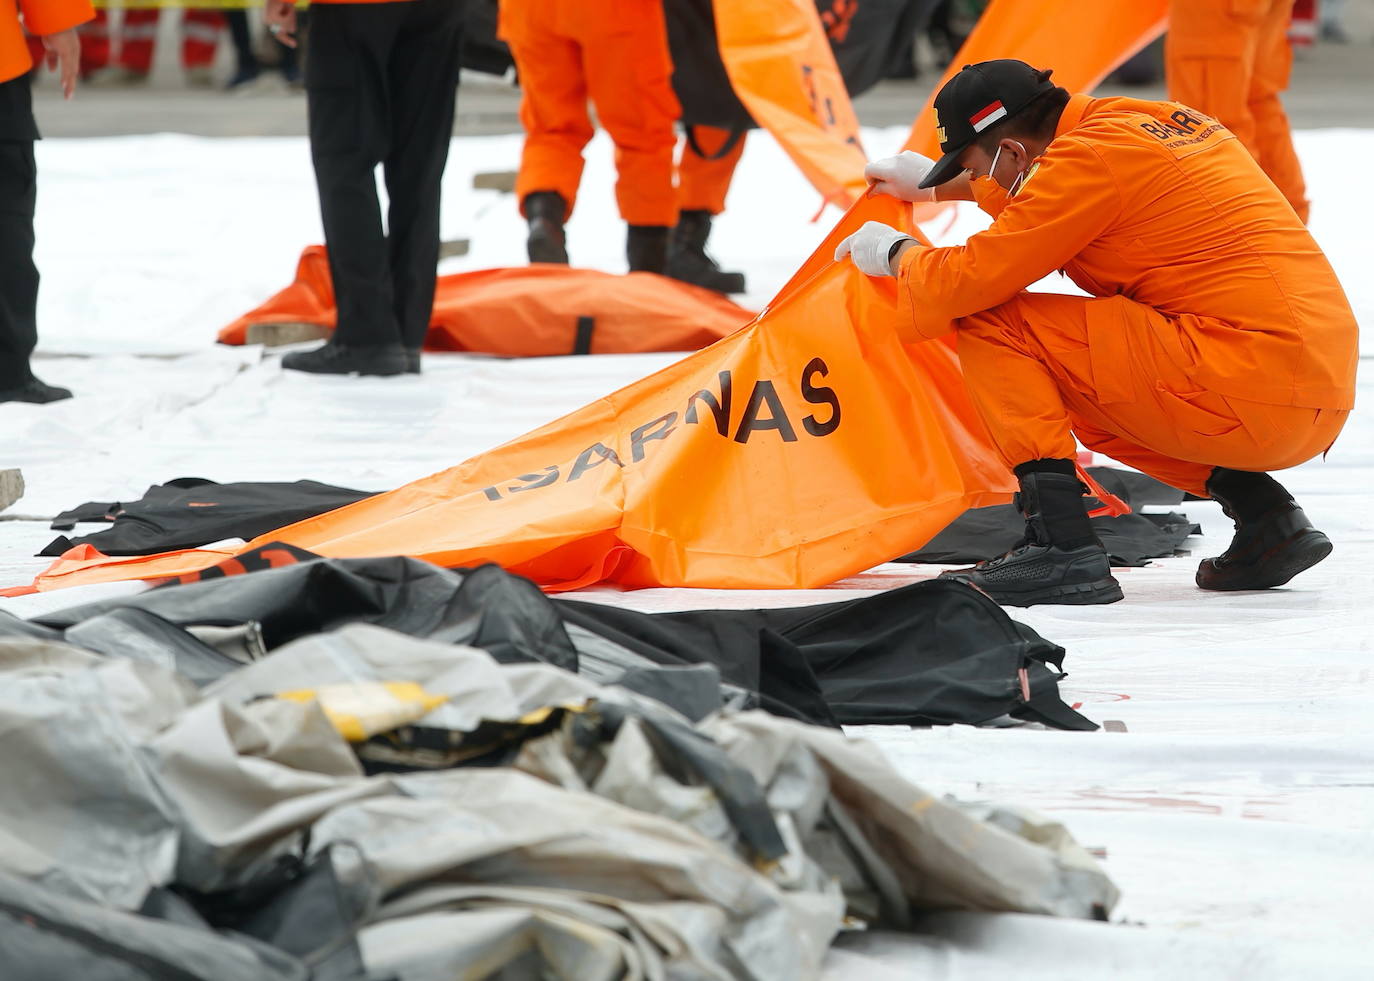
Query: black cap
[(976, 98)]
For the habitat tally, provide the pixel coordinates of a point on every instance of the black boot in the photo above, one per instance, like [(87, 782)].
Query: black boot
[(546, 211), (687, 258), (1274, 541), (646, 246), (340, 359), (1060, 560), (33, 390)]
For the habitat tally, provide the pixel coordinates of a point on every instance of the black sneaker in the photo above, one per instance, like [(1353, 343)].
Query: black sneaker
[(1032, 574), (35, 391), (412, 361), (339, 359), (1267, 552)]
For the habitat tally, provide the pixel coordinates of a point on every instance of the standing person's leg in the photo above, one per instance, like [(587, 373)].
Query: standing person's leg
[(246, 67), (350, 134), (1209, 60), (704, 171), (707, 166), (423, 88), (1273, 135), (19, 280), (629, 76), (553, 112)]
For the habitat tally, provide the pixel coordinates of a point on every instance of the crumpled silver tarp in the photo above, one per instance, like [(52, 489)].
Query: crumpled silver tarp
[(597, 833)]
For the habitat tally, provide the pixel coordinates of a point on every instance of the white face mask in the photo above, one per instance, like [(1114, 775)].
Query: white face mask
[(1020, 177)]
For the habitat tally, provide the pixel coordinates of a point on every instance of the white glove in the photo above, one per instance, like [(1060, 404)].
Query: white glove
[(900, 175), (869, 247)]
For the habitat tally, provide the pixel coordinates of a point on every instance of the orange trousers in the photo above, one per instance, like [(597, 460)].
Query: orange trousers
[(1041, 372), (1231, 59), (704, 172), (616, 55)]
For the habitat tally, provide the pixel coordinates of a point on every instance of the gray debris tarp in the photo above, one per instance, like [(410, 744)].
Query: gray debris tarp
[(177, 829)]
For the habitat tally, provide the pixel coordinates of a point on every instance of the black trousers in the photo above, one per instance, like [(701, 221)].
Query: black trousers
[(381, 80), (18, 192)]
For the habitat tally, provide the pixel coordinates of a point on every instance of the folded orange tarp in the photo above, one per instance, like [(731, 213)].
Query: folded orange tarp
[(820, 440), (529, 311), (1082, 40)]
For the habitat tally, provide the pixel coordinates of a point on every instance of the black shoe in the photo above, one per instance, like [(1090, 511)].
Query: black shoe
[(412, 361), (687, 258), (1060, 560), (1032, 574), (245, 75), (35, 391), (339, 359), (546, 211), (1266, 552), (646, 248)]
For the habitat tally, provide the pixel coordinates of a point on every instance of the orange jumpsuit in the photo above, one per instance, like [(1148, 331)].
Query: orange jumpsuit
[(704, 178), (1216, 333), (567, 51), (1231, 59), (40, 17)]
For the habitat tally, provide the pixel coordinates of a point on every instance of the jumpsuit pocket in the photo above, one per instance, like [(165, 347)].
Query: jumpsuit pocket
[(1204, 413), (1248, 11), (1109, 349)]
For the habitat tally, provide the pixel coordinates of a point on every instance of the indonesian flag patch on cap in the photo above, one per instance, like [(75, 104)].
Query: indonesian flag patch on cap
[(986, 116), (977, 99)]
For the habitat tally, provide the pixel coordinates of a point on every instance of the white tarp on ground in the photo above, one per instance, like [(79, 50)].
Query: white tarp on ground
[(1237, 809)]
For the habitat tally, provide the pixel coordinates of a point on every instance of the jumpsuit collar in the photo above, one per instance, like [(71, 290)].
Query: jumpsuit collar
[(1073, 113)]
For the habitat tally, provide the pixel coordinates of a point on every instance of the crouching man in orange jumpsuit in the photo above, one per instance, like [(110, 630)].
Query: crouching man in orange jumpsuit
[(1216, 343)]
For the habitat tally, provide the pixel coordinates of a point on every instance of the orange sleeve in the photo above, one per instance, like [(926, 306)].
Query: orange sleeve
[(1068, 200), (53, 16)]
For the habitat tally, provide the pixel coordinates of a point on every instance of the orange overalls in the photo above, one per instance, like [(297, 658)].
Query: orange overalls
[(704, 172), (1216, 333), (1231, 59), (40, 17), (567, 51)]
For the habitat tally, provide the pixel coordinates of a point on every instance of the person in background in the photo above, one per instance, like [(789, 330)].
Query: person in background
[(567, 54), (1231, 60), (252, 60), (55, 22), (615, 55), (381, 83), (247, 68)]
